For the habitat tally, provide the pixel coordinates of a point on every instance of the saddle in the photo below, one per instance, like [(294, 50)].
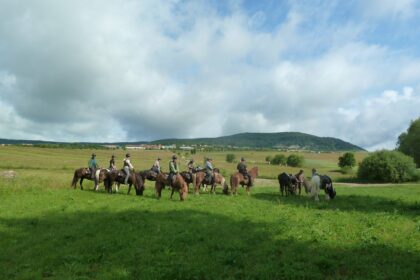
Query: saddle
[(188, 176), (208, 180)]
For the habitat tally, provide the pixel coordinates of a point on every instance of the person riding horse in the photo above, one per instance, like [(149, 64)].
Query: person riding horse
[(112, 165), (173, 169), (156, 166), (242, 169), (209, 170), (93, 165), (190, 166), (127, 168)]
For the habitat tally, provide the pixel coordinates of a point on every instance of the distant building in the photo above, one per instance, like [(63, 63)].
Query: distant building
[(152, 147), (169, 147), (135, 147), (186, 148)]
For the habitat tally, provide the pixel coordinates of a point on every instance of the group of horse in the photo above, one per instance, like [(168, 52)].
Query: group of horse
[(290, 185), (181, 181)]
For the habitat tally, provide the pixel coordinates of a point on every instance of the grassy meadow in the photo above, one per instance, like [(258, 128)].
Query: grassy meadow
[(50, 231)]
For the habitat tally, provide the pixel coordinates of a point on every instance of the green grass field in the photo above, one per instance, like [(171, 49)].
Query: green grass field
[(48, 230)]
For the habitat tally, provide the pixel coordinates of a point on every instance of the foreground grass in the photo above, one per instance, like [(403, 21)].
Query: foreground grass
[(48, 230)]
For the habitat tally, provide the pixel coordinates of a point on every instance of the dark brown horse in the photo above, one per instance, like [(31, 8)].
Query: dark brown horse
[(238, 179), (118, 176), (179, 184), (148, 175), (84, 173), (218, 179)]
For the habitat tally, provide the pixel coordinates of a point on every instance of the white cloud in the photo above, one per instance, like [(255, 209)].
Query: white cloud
[(130, 70)]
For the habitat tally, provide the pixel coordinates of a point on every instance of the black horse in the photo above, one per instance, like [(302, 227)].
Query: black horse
[(287, 183), (327, 185)]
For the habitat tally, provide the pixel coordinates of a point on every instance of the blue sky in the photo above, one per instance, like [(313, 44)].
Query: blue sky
[(157, 69)]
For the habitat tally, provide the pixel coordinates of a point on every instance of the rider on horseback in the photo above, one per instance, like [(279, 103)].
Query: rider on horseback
[(127, 167), (112, 163), (156, 166), (93, 165), (209, 170), (173, 169), (191, 168), (242, 169)]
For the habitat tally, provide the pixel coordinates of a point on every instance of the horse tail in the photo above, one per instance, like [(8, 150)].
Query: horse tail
[(97, 173), (75, 179)]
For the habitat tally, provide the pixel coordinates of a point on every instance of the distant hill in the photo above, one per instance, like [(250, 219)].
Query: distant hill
[(280, 140)]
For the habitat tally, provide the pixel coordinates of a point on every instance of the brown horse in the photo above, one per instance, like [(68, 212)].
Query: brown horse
[(217, 180), (238, 179), (179, 185), (118, 176), (84, 173)]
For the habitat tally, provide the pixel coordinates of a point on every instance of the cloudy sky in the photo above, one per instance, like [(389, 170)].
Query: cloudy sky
[(121, 70)]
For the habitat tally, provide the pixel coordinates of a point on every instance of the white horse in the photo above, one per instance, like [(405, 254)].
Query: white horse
[(318, 182)]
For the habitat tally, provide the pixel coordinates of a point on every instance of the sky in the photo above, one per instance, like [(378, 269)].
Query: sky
[(123, 70)]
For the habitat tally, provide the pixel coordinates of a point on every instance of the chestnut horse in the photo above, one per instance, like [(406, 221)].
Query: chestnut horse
[(84, 173), (118, 176), (217, 180), (179, 184), (238, 179)]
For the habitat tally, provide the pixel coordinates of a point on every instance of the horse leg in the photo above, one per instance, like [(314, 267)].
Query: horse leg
[(172, 192), (129, 189), (81, 182)]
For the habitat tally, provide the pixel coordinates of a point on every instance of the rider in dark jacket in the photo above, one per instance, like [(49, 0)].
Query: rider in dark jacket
[(242, 169)]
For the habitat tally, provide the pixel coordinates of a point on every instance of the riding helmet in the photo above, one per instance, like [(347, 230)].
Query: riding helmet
[(174, 157), (127, 155)]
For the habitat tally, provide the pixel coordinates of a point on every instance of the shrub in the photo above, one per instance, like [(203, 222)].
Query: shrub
[(409, 142), (388, 167), (230, 158), (295, 160), (268, 159), (279, 160), (347, 160)]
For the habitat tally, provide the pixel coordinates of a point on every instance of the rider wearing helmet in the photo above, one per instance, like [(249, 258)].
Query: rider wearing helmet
[(156, 166), (127, 167), (209, 170), (112, 163), (173, 168), (242, 169), (93, 165), (191, 167)]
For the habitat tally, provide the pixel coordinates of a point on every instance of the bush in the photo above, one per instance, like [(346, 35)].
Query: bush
[(230, 158), (387, 167), (295, 160), (268, 159), (278, 160), (347, 160)]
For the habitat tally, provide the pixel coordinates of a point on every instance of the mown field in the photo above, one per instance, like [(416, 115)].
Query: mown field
[(48, 230)]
